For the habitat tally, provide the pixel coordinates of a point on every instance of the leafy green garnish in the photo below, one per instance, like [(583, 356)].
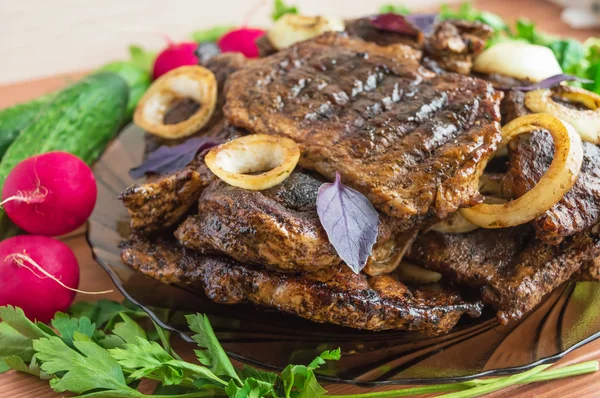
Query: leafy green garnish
[(211, 34), (280, 9), (141, 58), (111, 362), (467, 12), (394, 9)]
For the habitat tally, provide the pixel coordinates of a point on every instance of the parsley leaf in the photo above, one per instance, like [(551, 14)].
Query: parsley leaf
[(67, 326), (16, 363), (144, 357), (129, 330), (214, 356), (280, 9), (105, 313), (211, 34), (394, 9), (15, 317), (300, 381), (13, 343), (89, 367)]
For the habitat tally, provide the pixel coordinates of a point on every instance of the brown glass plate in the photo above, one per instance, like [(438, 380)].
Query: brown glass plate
[(567, 319)]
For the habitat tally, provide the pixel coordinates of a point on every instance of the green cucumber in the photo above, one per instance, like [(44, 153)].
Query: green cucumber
[(16, 118), (137, 79), (81, 119)]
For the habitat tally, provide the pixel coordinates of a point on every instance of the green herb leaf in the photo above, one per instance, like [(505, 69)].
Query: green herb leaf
[(212, 34), (214, 356), (333, 355), (144, 357), (129, 330), (15, 317), (90, 367), (5, 367), (67, 326), (16, 363), (280, 9), (467, 12), (300, 381), (142, 58), (394, 9), (105, 313), (251, 388), (13, 343)]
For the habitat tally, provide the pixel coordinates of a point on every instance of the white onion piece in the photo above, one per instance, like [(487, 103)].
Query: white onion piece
[(554, 184), (193, 82), (518, 59), (408, 272), (586, 122), (237, 161), (292, 28), (455, 223)]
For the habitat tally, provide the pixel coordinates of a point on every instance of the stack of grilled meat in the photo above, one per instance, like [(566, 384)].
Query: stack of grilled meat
[(404, 122)]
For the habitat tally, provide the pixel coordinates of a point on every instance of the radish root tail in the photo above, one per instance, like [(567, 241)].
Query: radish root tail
[(30, 198), (22, 259)]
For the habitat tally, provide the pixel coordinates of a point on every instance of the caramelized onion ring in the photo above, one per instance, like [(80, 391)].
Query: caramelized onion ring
[(234, 161), (586, 122), (193, 82), (554, 184)]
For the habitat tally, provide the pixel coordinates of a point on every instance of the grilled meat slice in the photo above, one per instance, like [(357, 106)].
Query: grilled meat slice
[(529, 157), (277, 228), (414, 143), (334, 295), (513, 271), (454, 44), (161, 202)]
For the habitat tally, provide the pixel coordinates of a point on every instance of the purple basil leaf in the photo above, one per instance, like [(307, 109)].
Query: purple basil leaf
[(391, 22), (423, 22), (167, 159), (350, 220), (547, 83)]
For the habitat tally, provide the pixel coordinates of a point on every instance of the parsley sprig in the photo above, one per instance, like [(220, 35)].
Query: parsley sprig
[(105, 349)]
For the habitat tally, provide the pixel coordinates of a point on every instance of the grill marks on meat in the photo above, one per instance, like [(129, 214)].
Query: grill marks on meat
[(529, 157), (513, 271), (277, 228), (335, 294), (412, 142), (364, 29)]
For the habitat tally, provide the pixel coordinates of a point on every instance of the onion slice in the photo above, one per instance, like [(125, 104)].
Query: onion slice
[(193, 82), (586, 122), (554, 184), (237, 161), (517, 59), (411, 273)]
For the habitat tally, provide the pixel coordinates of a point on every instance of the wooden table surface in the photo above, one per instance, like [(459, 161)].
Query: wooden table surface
[(93, 278)]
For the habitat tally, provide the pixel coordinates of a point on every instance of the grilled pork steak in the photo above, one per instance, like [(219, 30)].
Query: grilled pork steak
[(277, 228), (454, 44), (530, 156), (335, 294), (414, 143), (513, 271)]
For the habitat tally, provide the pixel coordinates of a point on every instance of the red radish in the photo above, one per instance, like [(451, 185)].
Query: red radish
[(50, 194), (24, 262), (174, 56), (241, 40)]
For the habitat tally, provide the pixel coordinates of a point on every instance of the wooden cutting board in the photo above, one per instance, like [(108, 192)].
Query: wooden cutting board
[(93, 278)]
